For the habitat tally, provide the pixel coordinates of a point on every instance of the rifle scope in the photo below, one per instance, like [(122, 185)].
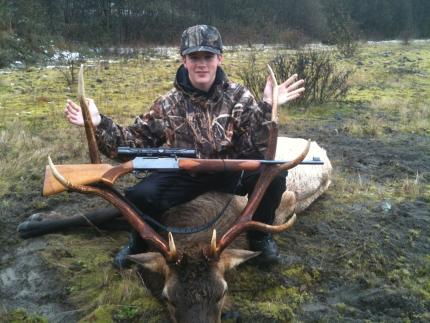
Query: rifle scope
[(156, 152)]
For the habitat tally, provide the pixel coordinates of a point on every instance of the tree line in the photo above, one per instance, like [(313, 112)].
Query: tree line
[(150, 22)]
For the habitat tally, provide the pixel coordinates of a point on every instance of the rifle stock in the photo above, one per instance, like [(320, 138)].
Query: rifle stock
[(81, 174)]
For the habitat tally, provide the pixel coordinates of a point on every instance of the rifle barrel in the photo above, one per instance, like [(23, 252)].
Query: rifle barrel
[(313, 161)]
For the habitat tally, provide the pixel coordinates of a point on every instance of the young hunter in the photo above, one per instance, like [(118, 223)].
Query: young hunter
[(206, 112)]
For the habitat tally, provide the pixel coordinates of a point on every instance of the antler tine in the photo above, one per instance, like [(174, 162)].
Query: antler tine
[(172, 246), (273, 126), (88, 123), (296, 161), (213, 250), (145, 231), (275, 91), (81, 83), (227, 239)]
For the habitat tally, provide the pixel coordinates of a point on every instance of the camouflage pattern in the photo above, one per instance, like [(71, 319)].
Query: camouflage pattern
[(201, 38), (228, 123)]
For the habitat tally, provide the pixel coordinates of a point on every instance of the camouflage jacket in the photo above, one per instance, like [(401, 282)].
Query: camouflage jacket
[(226, 122)]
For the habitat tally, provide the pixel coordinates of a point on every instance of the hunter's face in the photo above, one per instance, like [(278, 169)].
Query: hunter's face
[(202, 68)]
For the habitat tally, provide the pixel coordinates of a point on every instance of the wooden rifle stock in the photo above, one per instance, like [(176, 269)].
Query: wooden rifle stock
[(83, 174)]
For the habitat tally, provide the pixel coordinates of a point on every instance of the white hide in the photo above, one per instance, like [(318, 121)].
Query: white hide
[(305, 183)]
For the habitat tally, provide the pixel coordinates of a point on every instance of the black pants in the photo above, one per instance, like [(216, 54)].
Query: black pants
[(162, 190)]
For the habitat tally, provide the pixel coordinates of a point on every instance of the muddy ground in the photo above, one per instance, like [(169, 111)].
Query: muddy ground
[(366, 258), (369, 248)]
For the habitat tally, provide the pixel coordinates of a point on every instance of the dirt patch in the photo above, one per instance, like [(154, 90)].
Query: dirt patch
[(30, 283), (372, 252), (27, 282)]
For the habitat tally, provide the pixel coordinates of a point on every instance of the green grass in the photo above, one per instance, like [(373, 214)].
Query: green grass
[(21, 316)]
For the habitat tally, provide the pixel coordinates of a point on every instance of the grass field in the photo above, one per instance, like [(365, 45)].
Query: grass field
[(359, 253)]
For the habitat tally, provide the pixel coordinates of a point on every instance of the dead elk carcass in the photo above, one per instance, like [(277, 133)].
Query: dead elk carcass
[(193, 267)]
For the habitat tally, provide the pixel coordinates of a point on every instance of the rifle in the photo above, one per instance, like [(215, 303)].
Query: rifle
[(84, 174)]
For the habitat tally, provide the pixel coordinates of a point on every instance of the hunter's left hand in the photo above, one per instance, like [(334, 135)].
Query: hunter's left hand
[(290, 90)]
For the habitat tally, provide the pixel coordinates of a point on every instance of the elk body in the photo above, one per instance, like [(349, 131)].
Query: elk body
[(191, 268)]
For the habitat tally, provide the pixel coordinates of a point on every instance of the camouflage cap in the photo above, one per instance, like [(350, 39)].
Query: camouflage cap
[(201, 38)]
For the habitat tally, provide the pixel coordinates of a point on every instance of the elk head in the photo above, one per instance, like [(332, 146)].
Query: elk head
[(194, 284), (194, 287)]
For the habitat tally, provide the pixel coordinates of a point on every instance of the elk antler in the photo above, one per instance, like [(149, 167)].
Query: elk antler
[(88, 123), (275, 92), (145, 231), (273, 125), (268, 173)]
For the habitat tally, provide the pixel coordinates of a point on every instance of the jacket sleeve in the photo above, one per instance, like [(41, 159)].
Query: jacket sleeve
[(148, 130), (252, 133)]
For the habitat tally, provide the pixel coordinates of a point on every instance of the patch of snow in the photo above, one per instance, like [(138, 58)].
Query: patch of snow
[(65, 55), (397, 41), (17, 64)]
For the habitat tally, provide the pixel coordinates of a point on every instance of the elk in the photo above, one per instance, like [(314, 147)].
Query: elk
[(193, 266)]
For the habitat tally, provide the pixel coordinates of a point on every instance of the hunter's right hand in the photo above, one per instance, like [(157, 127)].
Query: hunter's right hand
[(73, 113)]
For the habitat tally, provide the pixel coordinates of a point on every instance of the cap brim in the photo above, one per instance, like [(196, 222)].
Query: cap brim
[(201, 49)]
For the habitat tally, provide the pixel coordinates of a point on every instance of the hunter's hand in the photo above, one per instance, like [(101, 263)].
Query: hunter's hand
[(288, 91), (73, 113)]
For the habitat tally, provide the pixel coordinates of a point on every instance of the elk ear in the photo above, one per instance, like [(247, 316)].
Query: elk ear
[(153, 261), (231, 258)]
